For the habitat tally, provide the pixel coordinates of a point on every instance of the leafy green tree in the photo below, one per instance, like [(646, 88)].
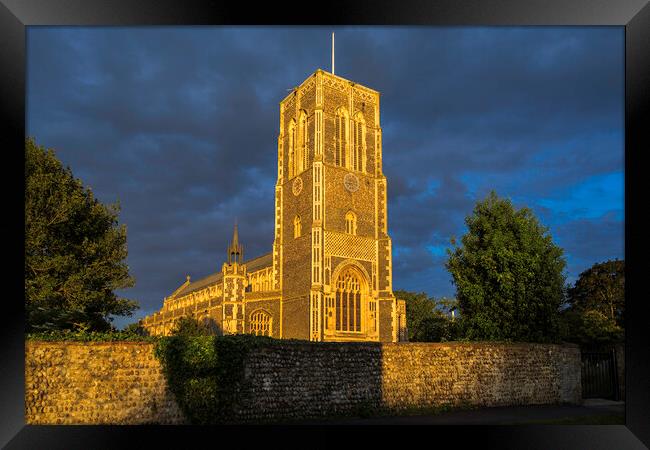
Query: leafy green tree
[(448, 306), (136, 328), (189, 326), (596, 305), (509, 275), (590, 327), (601, 288), (429, 319), (419, 308), (438, 328), (74, 250)]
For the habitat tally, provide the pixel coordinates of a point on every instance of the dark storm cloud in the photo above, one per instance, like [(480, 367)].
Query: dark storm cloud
[(180, 125), (591, 240)]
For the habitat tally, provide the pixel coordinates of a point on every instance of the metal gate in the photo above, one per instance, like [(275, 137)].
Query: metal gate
[(599, 375)]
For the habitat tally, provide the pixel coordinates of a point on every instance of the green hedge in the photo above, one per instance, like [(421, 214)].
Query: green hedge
[(206, 373), (84, 336)]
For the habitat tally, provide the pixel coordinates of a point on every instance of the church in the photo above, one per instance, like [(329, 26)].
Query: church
[(328, 276)]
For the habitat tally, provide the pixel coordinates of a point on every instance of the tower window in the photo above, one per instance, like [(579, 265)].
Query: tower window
[(297, 227), (341, 137), (351, 223), (292, 148), (348, 302), (302, 154), (298, 155), (358, 151)]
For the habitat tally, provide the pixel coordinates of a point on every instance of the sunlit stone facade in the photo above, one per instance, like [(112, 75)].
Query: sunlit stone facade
[(329, 274)]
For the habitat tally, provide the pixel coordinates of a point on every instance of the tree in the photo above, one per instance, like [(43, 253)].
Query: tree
[(427, 318), (601, 288), (509, 275), (596, 305), (419, 307), (590, 327), (136, 328), (74, 250), (189, 326)]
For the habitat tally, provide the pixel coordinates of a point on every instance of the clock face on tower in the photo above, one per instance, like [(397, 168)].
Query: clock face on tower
[(351, 182)]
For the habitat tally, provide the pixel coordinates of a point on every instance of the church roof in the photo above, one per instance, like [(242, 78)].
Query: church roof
[(259, 263), (200, 284), (252, 265)]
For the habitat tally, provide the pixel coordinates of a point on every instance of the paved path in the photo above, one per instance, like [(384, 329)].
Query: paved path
[(490, 416)]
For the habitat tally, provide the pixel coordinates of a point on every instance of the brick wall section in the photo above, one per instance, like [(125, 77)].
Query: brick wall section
[(96, 383), (121, 382)]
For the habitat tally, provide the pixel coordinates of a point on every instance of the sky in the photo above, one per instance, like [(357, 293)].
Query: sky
[(180, 125)]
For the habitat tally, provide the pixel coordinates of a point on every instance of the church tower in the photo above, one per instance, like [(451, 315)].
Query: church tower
[(332, 252), (234, 284), (329, 274)]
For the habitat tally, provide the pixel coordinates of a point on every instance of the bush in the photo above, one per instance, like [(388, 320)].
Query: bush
[(136, 328), (440, 328), (205, 373), (590, 327), (189, 326), (86, 336), (429, 319)]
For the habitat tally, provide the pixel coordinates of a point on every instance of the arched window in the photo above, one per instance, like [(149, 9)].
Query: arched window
[(348, 302), (292, 147), (351, 223), (358, 151), (261, 323), (297, 227), (341, 137)]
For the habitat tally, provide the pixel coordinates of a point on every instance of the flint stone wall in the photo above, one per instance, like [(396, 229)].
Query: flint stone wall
[(480, 374), (96, 383), (123, 382)]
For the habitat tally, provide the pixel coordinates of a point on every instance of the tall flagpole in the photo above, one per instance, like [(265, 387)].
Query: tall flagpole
[(332, 53)]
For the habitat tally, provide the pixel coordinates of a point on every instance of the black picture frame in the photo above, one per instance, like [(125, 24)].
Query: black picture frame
[(634, 15)]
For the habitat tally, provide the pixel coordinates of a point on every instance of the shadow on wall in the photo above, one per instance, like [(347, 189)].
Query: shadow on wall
[(154, 410), (245, 378)]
